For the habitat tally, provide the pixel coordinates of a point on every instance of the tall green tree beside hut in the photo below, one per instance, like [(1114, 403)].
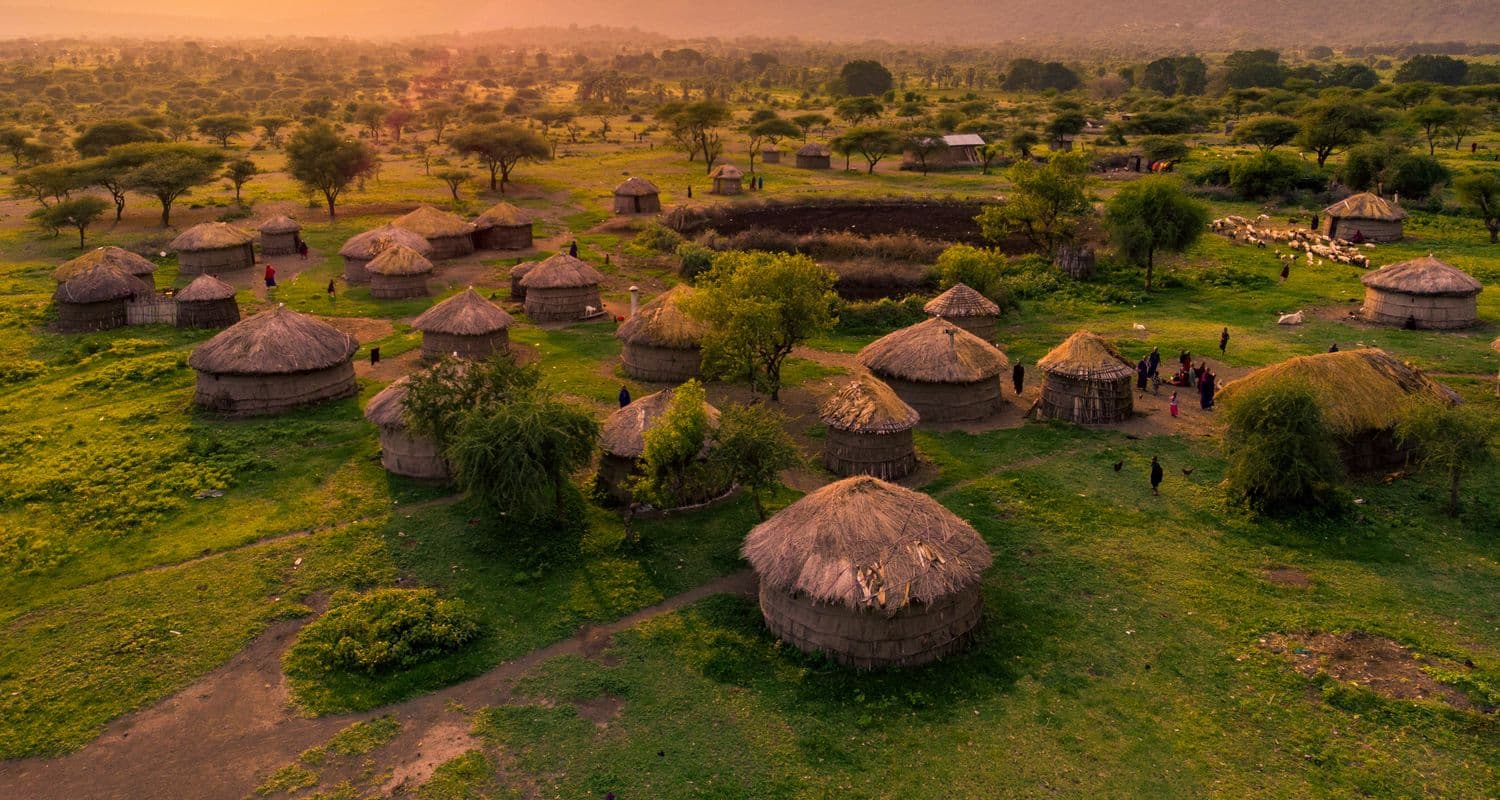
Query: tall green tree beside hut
[(501, 148), (1453, 440), (322, 161), (1047, 205), (1153, 215)]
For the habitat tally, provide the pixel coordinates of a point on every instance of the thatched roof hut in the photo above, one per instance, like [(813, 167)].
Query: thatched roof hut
[(144, 269), (401, 451), (869, 431), (870, 573), (1361, 393), (622, 441), (1421, 293), (562, 289), (1086, 380), (450, 235), (95, 298), (213, 247), (363, 247), (1364, 216), (661, 343), (946, 373), (280, 236), (207, 302), (465, 325), (814, 156), (517, 291), (398, 272), (503, 227), (637, 196), (272, 362), (770, 154), (726, 179), (968, 309)]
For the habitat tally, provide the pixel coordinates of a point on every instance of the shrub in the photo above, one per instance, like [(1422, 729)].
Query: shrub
[(1282, 455), (1265, 175), (1164, 148), (1233, 277), (869, 317), (694, 259), (1006, 281), (383, 630), (1415, 176), (1363, 166), (657, 238), (1212, 173), (20, 371)]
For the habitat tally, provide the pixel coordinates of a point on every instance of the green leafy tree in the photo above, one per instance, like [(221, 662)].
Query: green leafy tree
[(322, 161), (48, 183), (500, 148), (438, 396), (855, 110), (1153, 215), (671, 470), (752, 448), (13, 140), (222, 127), (272, 126), (1335, 125), (1466, 121), (865, 77), (516, 457), (922, 146), (1432, 119), (455, 179), (1244, 69), (1426, 68), (1047, 203), (1063, 125), (101, 136), (873, 144), (806, 122), (104, 173), (1283, 457), (1023, 141), (1453, 440), (768, 132), (1169, 149), (696, 128), (1481, 191), (990, 153), (78, 213), (438, 117), (166, 171), (238, 173), (1266, 132), (372, 117)]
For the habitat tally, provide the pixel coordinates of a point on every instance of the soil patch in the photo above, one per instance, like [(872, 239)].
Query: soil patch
[(600, 710), (1368, 661), (1288, 576)]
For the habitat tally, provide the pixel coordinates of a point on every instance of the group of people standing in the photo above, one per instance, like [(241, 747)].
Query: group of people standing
[(1201, 377)]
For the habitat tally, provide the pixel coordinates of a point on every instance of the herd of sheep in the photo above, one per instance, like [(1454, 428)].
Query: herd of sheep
[(1315, 246)]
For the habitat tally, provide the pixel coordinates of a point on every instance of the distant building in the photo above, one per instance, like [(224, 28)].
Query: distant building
[(958, 150)]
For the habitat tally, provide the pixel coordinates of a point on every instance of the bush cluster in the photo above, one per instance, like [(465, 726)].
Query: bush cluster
[(382, 630)]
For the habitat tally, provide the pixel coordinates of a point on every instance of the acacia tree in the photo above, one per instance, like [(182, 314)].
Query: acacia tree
[(222, 127), (500, 148), (165, 171), (372, 117), (78, 213), (1334, 125), (272, 126), (105, 174), (1047, 204), (455, 178), (1282, 454), (438, 117), (752, 447), (99, 137), (1150, 215), (397, 120), (873, 144), (1266, 132), (696, 127), (322, 161), (768, 132), (855, 110), (1481, 190), (238, 173), (922, 145), (1453, 440), (1431, 119), (989, 154), (806, 122)]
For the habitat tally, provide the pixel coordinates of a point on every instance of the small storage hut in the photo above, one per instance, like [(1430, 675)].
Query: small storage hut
[(213, 247), (622, 441), (872, 574), (362, 248), (968, 309), (1086, 380), (1423, 293), (450, 235), (144, 269), (517, 291), (814, 156), (637, 196), (401, 451), (726, 179), (661, 343), (869, 431), (770, 154), (95, 298), (946, 373), (280, 236), (465, 325), (207, 302), (272, 362), (398, 272), (503, 227), (562, 289), (1374, 218)]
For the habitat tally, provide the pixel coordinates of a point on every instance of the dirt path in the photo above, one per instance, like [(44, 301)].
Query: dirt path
[(222, 736)]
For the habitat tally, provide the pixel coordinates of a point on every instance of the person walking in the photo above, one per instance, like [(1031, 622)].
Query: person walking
[(624, 396), (301, 248), (1315, 220), (1156, 476), (1205, 389), (1223, 340), (1141, 372), (1186, 360), (1172, 404), (1286, 270), (573, 249), (330, 290), (270, 277), (1018, 377)]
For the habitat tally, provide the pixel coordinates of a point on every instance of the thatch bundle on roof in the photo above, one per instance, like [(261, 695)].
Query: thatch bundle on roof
[(401, 451), (968, 309), (869, 431), (207, 302), (213, 247), (1371, 217), (726, 179), (1361, 393), (95, 297), (637, 196), (142, 268), (622, 441), (450, 235), (398, 272), (869, 573), (363, 247), (946, 373), (503, 227), (662, 343), (280, 236), (1086, 380), (1421, 293), (465, 325), (561, 289), (814, 156), (274, 361)]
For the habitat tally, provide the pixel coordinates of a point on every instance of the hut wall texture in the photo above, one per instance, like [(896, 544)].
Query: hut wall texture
[(949, 402), (660, 364), (470, 348), (1076, 262), (395, 287), (249, 395), (411, 456), (770, 157), (726, 186), (1443, 312), (445, 247), (1088, 402), (516, 237), (1372, 451), (215, 261), (649, 204), (888, 456), (278, 244), (208, 314), (1374, 230), (85, 317), (561, 305), (354, 270), (613, 472), (153, 309), (814, 162), (983, 327), (917, 634)]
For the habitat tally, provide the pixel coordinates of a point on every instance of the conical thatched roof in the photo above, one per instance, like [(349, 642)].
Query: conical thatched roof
[(205, 288), (433, 223), (728, 171), (813, 149), (367, 245), (867, 405), (274, 342), (502, 215), (133, 264), (1366, 206), (663, 323), (636, 186), (1086, 356), (961, 301), (867, 544), (210, 236), (924, 353), (1358, 390), (97, 284), (1423, 276), (280, 224), (561, 271), (464, 314), (388, 407), (399, 260), (624, 433)]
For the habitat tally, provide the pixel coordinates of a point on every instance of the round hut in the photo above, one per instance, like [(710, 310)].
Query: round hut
[(465, 325), (213, 247), (517, 291), (95, 298), (398, 272), (637, 196), (814, 156), (1361, 394), (1086, 380), (450, 235), (661, 343), (274, 361), (726, 179), (622, 440), (503, 227), (207, 302), (946, 373), (1422, 293), (968, 309), (280, 236), (872, 574), (144, 269), (869, 431), (401, 451), (770, 154), (1365, 217), (562, 289), (362, 248)]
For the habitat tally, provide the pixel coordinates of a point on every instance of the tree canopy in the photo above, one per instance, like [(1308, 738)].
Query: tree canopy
[(500, 148), (323, 161), (1151, 215)]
